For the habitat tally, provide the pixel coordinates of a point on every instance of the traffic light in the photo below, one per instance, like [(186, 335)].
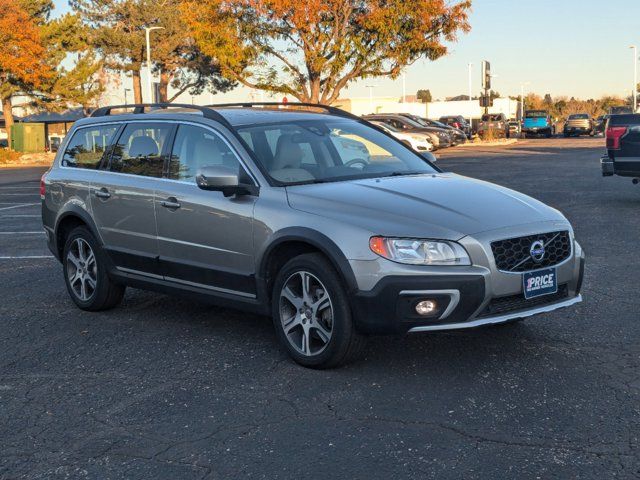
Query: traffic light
[(486, 75)]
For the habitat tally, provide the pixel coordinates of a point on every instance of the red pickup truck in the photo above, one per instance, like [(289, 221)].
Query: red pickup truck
[(623, 147)]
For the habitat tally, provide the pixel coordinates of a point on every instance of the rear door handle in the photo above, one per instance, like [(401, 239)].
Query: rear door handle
[(102, 193), (171, 203)]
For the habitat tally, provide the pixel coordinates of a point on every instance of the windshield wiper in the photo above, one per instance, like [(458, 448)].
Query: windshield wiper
[(401, 173)]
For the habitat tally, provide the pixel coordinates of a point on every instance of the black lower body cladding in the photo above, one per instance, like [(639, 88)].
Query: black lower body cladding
[(390, 306)]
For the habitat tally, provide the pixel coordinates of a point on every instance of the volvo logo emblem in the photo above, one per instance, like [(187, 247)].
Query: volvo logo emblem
[(537, 251)]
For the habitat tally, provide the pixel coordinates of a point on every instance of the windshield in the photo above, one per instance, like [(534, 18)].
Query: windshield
[(579, 116), (327, 150), (496, 117), (386, 126), (535, 114)]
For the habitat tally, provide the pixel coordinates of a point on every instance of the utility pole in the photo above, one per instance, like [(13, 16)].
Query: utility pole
[(522, 99), (147, 31), (486, 84), (635, 78)]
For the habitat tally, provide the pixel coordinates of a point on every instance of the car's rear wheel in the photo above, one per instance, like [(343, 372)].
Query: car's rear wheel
[(311, 313), (85, 273)]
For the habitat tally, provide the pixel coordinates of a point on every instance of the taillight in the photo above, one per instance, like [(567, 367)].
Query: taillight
[(614, 134), (456, 124), (43, 188)]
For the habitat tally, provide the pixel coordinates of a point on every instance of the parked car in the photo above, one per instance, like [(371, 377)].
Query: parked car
[(600, 123), (493, 122), (457, 136), (438, 137), (623, 147), (578, 124), (252, 207), (538, 122), (459, 122), (418, 141), (514, 128)]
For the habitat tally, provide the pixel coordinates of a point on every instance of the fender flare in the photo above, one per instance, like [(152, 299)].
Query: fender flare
[(315, 239), (74, 210)]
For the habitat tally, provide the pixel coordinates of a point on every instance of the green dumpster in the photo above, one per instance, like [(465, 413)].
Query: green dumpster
[(28, 137)]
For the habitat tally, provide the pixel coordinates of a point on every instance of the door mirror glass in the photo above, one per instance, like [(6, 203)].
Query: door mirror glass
[(223, 179)]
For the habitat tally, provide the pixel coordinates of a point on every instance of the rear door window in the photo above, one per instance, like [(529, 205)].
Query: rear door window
[(87, 146), (141, 149)]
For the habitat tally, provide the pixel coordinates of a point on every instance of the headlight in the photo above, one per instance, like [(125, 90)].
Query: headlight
[(420, 252)]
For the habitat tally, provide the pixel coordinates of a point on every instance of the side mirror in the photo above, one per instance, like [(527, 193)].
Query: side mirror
[(224, 179)]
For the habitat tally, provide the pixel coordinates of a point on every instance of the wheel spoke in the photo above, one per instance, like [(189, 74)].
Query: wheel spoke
[(292, 323), (91, 259), (323, 302), (81, 252), (291, 297), (83, 289), (306, 285), (73, 259), (91, 282), (322, 332), (306, 349)]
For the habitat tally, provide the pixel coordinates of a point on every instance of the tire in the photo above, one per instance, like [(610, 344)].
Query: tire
[(548, 134), (84, 265), (565, 135), (314, 325)]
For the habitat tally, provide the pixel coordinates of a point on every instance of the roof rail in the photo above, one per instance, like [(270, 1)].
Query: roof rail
[(139, 108), (332, 110)]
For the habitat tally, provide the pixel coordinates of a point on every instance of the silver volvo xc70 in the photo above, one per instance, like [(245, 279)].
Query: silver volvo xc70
[(305, 213)]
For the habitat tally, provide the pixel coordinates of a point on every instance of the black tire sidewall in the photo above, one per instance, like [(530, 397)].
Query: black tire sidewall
[(343, 328)]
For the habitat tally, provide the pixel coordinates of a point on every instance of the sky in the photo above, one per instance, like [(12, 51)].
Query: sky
[(576, 48)]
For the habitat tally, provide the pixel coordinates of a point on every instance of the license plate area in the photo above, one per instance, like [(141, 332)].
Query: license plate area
[(539, 283)]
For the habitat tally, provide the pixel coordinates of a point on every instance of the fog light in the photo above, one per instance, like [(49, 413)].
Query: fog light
[(426, 307)]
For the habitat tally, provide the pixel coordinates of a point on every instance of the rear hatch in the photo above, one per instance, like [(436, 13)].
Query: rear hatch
[(535, 122), (623, 143), (579, 122), (492, 122)]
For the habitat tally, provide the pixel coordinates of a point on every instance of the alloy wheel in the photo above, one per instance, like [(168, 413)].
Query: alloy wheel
[(306, 313), (82, 269)]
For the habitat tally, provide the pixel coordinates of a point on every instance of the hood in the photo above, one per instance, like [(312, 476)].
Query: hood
[(441, 205)]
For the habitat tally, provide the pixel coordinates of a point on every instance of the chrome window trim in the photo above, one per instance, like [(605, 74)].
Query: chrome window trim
[(454, 296)]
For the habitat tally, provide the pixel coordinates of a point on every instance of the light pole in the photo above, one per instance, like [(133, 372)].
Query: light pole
[(635, 77), (371, 87), (147, 31), (126, 102), (470, 65), (522, 99)]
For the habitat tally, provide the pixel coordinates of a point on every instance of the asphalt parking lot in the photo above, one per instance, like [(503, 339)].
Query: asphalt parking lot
[(163, 387)]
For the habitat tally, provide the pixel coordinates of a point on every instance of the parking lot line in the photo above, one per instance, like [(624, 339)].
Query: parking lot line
[(22, 257), (22, 233), (20, 205), (20, 216), (17, 194)]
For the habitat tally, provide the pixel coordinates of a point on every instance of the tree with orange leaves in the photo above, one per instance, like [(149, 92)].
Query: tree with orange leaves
[(312, 49), (23, 66)]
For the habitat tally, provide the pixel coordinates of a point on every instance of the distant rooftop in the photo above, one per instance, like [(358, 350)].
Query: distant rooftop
[(66, 116)]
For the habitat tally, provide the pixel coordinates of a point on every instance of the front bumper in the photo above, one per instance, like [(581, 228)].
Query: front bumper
[(467, 297)]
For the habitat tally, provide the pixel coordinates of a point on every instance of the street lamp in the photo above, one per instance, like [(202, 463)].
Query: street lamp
[(522, 99), (469, 65), (635, 77), (147, 31), (371, 87)]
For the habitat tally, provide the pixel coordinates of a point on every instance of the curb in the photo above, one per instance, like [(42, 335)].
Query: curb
[(509, 141)]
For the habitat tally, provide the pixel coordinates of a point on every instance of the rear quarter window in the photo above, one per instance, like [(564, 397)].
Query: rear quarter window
[(87, 146)]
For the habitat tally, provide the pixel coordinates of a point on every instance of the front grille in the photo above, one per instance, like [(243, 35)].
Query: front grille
[(516, 303), (513, 254)]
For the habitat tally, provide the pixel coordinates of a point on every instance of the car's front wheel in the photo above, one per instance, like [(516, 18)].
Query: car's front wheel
[(311, 313), (85, 272)]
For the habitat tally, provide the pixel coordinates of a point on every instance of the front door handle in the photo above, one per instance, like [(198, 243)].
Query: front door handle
[(102, 193), (171, 203)]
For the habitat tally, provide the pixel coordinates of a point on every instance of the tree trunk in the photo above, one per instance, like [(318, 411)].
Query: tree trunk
[(7, 113), (163, 88), (137, 86)]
